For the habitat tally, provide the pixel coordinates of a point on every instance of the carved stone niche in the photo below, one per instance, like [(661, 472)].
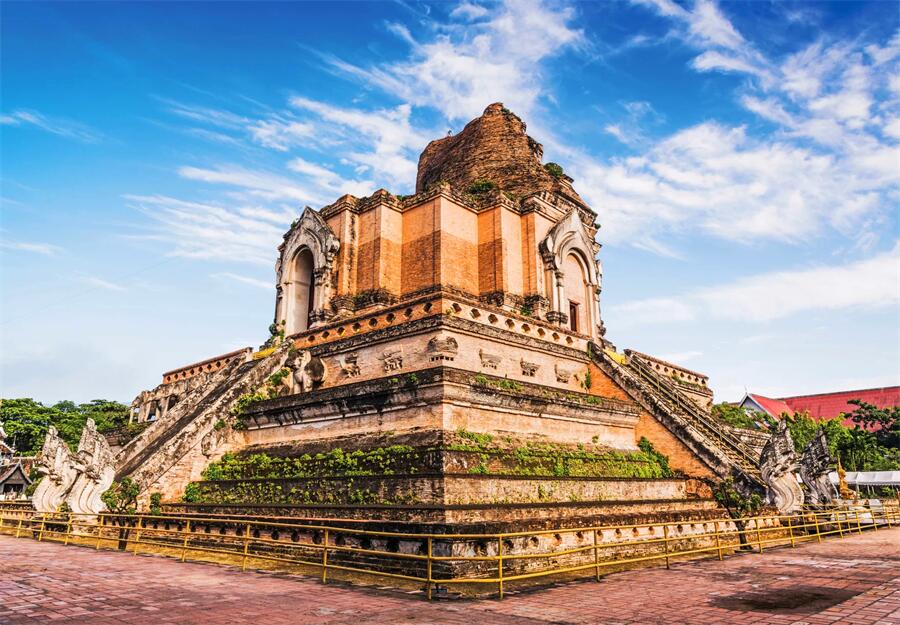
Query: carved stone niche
[(442, 349), (488, 361), (348, 364), (392, 359), (563, 374), (529, 369)]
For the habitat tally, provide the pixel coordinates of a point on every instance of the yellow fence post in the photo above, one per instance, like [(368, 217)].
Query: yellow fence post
[(840, 523), (68, 529), (666, 543), (816, 521), (758, 535), (858, 524), (325, 558), (246, 548), (187, 535), (500, 565), (99, 532), (718, 539), (43, 523), (791, 530), (428, 568), (596, 555), (19, 527), (137, 534)]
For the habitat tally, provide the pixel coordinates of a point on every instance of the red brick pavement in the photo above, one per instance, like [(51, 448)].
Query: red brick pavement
[(855, 581)]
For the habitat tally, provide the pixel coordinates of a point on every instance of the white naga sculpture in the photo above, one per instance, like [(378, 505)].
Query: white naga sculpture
[(94, 462), (76, 479), (56, 464), (815, 465), (778, 466)]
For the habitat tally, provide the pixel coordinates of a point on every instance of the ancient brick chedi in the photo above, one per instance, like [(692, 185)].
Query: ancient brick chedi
[(441, 355)]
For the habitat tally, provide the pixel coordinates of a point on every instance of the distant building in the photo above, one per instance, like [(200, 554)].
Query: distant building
[(13, 476), (822, 406)]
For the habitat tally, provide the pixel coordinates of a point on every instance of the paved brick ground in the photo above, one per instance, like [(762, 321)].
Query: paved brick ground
[(855, 580)]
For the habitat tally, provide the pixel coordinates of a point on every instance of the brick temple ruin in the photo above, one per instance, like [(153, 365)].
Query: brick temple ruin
[(441, 358)]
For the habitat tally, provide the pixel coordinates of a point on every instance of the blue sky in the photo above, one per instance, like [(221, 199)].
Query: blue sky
[(743, 159)]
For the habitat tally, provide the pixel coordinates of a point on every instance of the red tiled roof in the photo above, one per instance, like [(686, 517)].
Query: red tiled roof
[(829, 405), (772, 406)]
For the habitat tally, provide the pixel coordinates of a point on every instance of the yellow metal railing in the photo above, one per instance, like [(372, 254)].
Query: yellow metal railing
[(431, 559)]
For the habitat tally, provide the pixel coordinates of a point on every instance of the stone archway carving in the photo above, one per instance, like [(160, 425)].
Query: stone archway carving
[(311, 233), (569, 237)]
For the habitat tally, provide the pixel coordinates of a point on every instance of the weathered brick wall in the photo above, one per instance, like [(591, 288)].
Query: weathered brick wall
[(680, 457), (492, 147)]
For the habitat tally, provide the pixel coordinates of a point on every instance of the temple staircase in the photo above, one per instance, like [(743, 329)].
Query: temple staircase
[(189, 429), (690, 423)]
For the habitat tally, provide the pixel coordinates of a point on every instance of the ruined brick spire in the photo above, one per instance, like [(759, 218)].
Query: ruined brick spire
[(493, 148)]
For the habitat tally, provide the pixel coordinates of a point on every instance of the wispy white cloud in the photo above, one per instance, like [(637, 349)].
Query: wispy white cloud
[(468, 65), (47, 249), (469, 11), (100, 283), (873, 283), (260, 284), (831, 164), (281, 134), (210, 231), (54, 125), (382, 142), (262, 184)]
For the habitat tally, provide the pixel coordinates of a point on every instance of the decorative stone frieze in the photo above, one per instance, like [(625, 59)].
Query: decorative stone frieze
[(349, 365), (392, 359), (442, 349), (307, 372), (563, 374), (489, 361), (529, 369)]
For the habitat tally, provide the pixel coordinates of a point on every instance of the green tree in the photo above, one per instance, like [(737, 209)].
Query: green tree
[(739, 417), (857, 448), (886, 421), (26, 421)]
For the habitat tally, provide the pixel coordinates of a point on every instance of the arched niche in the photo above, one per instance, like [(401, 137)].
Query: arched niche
[(304, 271), (572, 275), (299, 291), (577, 293)]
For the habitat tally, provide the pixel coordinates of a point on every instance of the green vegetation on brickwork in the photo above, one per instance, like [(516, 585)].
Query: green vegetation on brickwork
[(261, 478), (554, 169), (500, 383), (334, 463), (263, 492), (481, 186), (544, 459)]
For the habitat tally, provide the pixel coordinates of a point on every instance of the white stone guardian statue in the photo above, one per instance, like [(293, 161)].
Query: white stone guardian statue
[(94, 461), (778, 466), (56, 464)]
